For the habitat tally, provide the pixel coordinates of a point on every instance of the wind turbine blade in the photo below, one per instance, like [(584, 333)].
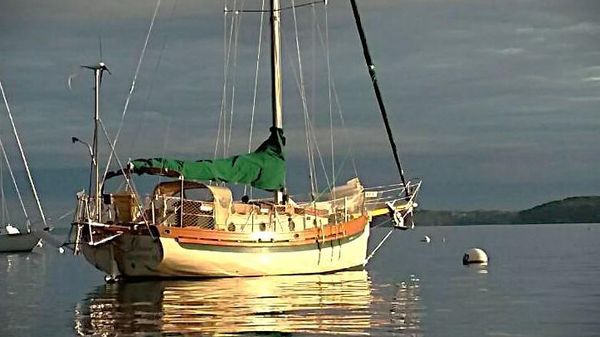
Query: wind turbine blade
[(70, 80)]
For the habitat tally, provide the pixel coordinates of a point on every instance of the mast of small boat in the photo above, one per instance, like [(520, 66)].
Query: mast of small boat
[(24, 160), (98, 70), (276, 82), (97, 74)]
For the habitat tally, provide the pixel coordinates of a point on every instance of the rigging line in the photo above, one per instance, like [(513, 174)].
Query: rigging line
[(310, 133), (227, 54), (14, 181), (230, 48), (4, 209), (328, 57), (338, 103), (312, 167), (378, 246), (310, 154), (23, 158), (65, 215), (260, 33), (160, 54), (280, 9), (316, 146), (371, 67), (314, 82), (315, 142), (392, 187), (346, 132), (311, 127), (311, 158), (137, 132), (302, 91), (307, 130), (342, 164), (128, 181), (224, 83), (132, 87), (234, 78)]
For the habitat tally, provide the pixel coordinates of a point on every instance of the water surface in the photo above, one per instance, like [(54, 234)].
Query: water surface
[(542, 280)]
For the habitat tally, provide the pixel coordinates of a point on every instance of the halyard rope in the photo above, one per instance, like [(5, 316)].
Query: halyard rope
[(132, 87), (302, 89), (260, 33)]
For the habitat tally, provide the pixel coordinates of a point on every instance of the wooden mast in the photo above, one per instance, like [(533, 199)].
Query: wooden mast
[(276, 82)]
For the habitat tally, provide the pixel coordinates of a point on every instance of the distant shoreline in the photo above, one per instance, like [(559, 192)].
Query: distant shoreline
[(572, 210)]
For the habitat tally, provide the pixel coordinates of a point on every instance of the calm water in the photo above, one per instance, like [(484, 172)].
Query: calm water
[(542, 281)]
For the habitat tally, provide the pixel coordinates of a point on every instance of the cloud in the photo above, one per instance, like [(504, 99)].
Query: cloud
[(473, 90), (584, 99), (505, 51), (582, 28), (577, 28)]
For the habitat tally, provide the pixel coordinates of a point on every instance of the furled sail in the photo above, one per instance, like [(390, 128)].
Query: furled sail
[(263, 168)]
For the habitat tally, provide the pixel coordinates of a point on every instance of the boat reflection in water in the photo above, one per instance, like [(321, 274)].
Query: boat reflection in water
[(340, 303)]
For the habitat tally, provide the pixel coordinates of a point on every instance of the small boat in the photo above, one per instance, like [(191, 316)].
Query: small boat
[(14, 241), (191, 226)]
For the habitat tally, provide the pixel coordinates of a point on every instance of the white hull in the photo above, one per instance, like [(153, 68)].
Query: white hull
[(133, 256), (18, 242)]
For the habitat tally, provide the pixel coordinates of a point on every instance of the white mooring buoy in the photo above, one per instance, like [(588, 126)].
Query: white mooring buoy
[(475, 256)]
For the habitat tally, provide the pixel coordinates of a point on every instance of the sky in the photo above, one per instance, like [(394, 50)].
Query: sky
[(492, 103)]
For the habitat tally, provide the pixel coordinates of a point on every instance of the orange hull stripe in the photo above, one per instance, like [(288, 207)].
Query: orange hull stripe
[(190, 235)]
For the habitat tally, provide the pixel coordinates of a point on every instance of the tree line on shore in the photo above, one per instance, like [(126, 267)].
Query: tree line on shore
[(570, 210)]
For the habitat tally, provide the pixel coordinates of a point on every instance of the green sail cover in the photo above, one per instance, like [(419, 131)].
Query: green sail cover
[(263, 168)]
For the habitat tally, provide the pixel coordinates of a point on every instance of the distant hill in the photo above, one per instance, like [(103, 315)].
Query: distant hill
[(569, 210), (463, 218)]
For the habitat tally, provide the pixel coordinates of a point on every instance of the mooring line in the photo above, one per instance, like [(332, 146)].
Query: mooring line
[(378, 246)]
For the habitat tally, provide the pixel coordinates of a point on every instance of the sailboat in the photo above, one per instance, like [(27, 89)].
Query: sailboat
[(191, 226), (13, 239)]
